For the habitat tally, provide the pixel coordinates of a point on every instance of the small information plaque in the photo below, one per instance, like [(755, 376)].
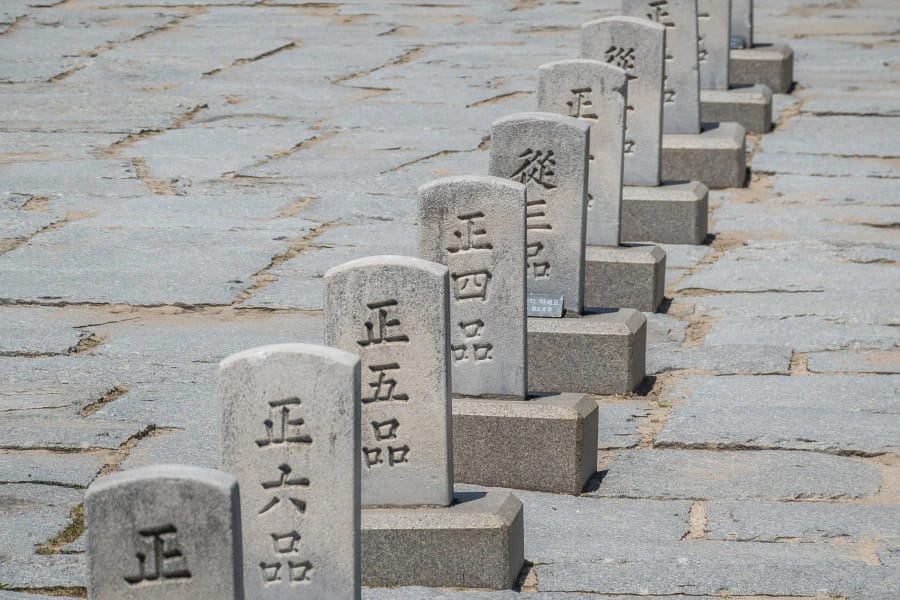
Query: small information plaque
[(545, 305)]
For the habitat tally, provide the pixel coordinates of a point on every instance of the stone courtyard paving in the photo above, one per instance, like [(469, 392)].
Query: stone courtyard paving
[(177, 175)]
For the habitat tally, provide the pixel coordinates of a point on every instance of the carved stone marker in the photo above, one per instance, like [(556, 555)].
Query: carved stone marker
[(742, 21), (393, 311), (476, 226), (166, 531), (290, 434), (549, 154), (638, 46), (681, 87), (596, 93), (714, 44)]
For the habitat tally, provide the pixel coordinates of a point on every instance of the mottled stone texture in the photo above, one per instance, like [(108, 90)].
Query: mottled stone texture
[(476, 225), (549, 154), (290, 434), (595, 92), (768, 64), (394, 311), (630, 276), (742, 21), (750, 107), (164, 531), (676, 213), (601, 352), (638, 46), (681, 87), (714, 26), (548, 443), (478, 542), (715, 157)]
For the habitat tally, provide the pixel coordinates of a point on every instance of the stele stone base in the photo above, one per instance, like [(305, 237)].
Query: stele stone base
[(715, 156), (627, 276), (750, 107), (768, 64), (600, 352), (546, 443), (476, 542), (674, 213)]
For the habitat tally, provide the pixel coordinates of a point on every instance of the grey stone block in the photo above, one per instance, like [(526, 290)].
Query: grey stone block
[(750, 107), (600, 352), (546, 443), (768, 64), (854, 361), (715, 156), (477, 542), (675, 213), (69, 469), (628, 276)]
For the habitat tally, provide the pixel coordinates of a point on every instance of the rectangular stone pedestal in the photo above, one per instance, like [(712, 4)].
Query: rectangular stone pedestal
[(715, 156), (601, 352), (768, 64), (477, 542), (750, 107), (675, 213), (627, 276), (547, 443)]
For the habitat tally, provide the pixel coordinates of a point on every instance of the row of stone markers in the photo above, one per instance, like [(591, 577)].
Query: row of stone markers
[(470, 363)]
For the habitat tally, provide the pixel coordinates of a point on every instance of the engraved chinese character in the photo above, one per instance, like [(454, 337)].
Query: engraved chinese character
[(480, 350), (296, 572), (702, 52), (394, 455), (535, 215), (621, 57), (280, 427), (629, 147), (286, 543), (659, 13), (284, 481), (537, 166), (383, 387), (471, 236), (581, 106), (167, 561), (386, 430), (382, 328), (539, 268), (471, 284)]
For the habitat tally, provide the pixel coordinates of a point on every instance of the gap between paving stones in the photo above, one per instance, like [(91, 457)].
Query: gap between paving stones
[(293, 45), (413, 54)]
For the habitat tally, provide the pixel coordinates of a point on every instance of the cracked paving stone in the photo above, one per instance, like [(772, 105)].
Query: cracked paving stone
[(823, 166), (117, 256), (34, 433), (108, 178), (802, 334), (37, 331), (762, 521), (45, 571), (726, 359), (832, 190), (854, 361), (764, 474), (836, 414), (31, 514), (7, 595), (420, 593), (179, 447), (56, 468), (618, 423)]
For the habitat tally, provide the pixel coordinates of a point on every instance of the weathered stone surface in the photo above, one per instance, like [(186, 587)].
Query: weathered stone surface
[(291, 435), (854, 361), (549, 154), (674, 213), (475, 543), (713, 43), (638, 46), (803, 334), (731, 359), (34, 432), (476, 227), (836, 414), (768, 64), (547, 443), (393, 311), (44, 571), (36, 332), (597, 93), (716, 157), (742, 21), (749, 107), (31, 514), (766, 474), (825, 166), (764, 521), (681, 87), (69, 469), (164, 530), (630, 276), (600, 352), (618, 423)]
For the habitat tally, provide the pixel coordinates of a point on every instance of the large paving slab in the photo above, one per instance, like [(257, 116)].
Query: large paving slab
[(66, 469), (31, 514)]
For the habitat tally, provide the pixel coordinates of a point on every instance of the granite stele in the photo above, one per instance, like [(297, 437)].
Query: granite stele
[(599, 352), (597, 92), (750, 106), (165, 531), (502, 437), (290, 434), (771, 65), (714, 155), (671, 213), (394, 312)]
